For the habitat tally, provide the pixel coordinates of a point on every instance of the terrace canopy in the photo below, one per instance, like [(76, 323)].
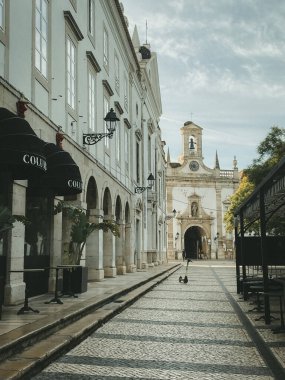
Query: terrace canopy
[(259, 229)]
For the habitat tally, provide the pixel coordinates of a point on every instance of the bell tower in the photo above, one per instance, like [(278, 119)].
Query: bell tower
[(191, 142)]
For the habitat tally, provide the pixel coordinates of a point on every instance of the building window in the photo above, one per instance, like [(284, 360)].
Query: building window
[(138, 162), (91, 17), (71, 72), (106, 110), (125, 92), (127, 149), (2, 15), (117, 74), (41, 36), (106, 48), (92, 101), (118, 142), (149, 153)]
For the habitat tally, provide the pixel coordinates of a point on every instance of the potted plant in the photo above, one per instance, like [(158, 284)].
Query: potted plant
[(6, 220), (81, 229)]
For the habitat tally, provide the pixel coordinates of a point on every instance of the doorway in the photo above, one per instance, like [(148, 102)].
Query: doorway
[(193, 242)]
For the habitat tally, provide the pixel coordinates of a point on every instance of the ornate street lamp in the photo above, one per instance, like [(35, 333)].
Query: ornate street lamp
[(111, 123), (150, 181)]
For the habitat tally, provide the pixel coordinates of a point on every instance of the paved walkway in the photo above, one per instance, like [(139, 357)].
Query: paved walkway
[(96, 292), (199, 330), (29, 341)]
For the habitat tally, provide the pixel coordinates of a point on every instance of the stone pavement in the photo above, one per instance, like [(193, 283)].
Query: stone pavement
[(31, 340), (199, 330)]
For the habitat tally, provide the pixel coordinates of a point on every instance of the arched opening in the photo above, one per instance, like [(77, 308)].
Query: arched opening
[(194, 242), (118, 210), (127, 213), (107, 203), (109, 253), (128, 252), (138, 235), (92, 194)]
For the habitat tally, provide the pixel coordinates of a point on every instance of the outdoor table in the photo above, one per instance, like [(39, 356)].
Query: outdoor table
[(280, 295), (257, 289), (248, 283), (26, 306), (56, 298), (281, 281)]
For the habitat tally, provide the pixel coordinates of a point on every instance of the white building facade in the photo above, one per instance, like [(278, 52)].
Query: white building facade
[(200, 197), (63, 66)]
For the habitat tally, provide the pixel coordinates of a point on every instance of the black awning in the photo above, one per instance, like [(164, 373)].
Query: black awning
[(21, 150), (63, 176)]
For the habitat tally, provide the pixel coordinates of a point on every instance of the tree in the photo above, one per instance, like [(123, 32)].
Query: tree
[(270, 151), (244, 190)]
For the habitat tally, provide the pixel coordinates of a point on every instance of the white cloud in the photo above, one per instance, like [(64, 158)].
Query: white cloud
[(226, 62)]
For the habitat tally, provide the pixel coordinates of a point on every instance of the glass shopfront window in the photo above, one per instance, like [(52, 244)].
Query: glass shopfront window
[(36, 236), (37, 243)]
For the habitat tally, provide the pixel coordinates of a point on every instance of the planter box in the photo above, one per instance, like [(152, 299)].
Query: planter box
[(75, 280)]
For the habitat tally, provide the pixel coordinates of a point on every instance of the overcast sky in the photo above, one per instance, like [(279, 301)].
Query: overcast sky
[(222, 65)]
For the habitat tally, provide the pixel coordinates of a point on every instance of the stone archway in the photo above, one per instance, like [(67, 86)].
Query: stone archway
[(128, 251), (91, 194), (94, 260), (138, 257), (120, 254), (195, 243), (109, 259)]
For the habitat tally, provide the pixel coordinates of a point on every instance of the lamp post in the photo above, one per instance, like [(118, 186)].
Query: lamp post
[(141, 189), (175, 245), (111, 123), (176, 238), (209, 247), (216, 239)]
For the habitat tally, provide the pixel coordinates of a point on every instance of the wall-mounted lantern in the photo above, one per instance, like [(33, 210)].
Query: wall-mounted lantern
[(111, 123), (141, 189)]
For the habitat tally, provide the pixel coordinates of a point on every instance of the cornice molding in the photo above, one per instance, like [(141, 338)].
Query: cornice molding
[(108, 87), (128, 124), (93, 61), (119, 108), (73, 25)]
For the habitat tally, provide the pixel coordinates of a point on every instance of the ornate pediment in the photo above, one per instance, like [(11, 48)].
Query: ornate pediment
[(194, 209)]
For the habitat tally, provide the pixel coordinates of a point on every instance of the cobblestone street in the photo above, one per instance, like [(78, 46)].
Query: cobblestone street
[(176, 331)]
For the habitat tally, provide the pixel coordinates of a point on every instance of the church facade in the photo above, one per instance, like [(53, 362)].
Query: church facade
[(197, 199)]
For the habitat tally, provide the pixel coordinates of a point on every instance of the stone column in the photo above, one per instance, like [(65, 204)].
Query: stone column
[(151, 235), (109, 252), (55, 245), (94, 248), (14, 245), (128, 251), (120, 254)]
